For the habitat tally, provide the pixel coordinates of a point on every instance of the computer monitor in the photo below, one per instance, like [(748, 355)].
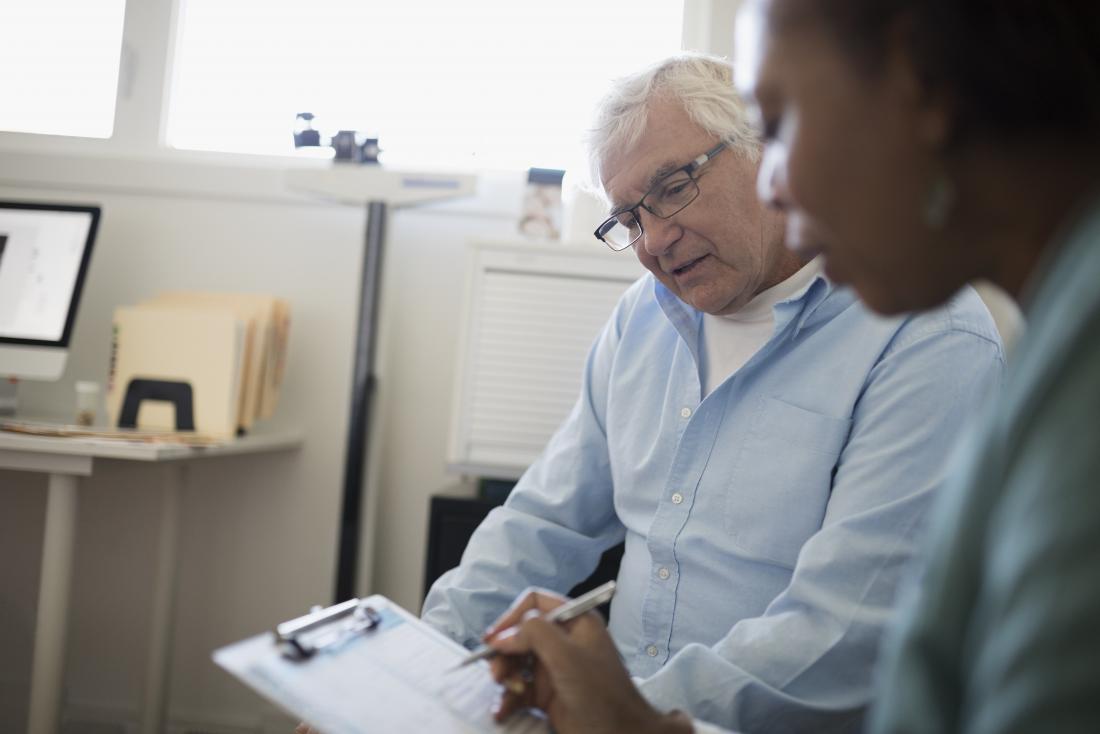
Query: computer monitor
[(44, 255)]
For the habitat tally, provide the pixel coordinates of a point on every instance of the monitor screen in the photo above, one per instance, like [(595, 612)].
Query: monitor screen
[(44, 254)]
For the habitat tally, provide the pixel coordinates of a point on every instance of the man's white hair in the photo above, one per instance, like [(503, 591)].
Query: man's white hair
[(703, 84)]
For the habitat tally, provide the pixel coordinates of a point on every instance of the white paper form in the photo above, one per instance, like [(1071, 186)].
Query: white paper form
[(398, 677)]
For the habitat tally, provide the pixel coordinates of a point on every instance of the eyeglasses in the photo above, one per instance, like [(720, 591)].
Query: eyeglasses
[(666, 198)]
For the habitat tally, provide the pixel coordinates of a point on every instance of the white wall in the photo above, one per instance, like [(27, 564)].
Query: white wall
[(258, 533)]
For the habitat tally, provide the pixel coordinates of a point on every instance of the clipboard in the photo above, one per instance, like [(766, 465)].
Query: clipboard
[(367, 666)]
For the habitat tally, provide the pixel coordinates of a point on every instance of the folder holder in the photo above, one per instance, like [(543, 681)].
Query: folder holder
[(173, 391), (302, 638)]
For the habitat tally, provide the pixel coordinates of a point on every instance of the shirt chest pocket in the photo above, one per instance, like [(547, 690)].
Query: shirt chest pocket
[(782, 479)]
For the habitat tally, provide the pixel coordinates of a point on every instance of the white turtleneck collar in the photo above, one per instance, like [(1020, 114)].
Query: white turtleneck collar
[(730, 340)]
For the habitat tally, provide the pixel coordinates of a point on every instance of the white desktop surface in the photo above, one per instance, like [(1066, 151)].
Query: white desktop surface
[(100, 448), (64, 460)]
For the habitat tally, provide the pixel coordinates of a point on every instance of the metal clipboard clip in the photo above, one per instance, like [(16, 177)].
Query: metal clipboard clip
[(302, 638)]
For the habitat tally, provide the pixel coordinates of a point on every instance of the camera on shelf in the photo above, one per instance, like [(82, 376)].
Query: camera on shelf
[(348, 144)]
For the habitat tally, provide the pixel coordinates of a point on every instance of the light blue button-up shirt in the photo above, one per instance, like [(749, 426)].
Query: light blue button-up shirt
[(767, 524)]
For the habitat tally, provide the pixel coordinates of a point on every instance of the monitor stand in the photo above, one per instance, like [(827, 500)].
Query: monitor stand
[(9, 397)]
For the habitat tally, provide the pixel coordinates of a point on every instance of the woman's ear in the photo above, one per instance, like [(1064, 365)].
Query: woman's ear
[(931, 105), (935, 119)]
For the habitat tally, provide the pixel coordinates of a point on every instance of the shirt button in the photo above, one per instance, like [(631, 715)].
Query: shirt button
[(677, 498), (685, 412), (663, 573), (651, 651)]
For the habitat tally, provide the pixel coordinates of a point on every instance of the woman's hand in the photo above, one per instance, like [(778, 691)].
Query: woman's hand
[(571, 671)]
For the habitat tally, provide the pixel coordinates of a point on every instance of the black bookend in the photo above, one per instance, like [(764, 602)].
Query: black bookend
[(177, 393)]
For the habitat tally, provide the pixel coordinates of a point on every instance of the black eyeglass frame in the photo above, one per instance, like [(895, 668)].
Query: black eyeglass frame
[(690, 169)]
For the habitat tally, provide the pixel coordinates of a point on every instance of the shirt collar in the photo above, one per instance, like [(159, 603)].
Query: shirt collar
[(762, 306), (686, 320), (817, 301)]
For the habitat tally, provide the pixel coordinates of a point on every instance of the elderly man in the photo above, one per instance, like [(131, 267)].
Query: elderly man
[(766, 447)]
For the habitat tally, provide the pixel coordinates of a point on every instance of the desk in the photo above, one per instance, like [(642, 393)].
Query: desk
[(64, 461)]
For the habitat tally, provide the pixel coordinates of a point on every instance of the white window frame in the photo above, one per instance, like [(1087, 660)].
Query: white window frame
[(138, 152), (145, 76)]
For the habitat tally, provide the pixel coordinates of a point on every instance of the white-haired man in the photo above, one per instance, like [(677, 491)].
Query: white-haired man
[(765, 446)]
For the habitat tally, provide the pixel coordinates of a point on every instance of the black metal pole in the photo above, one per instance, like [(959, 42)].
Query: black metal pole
[(362, 389)]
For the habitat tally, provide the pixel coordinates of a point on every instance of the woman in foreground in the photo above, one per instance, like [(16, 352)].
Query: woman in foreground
[(918, 146)]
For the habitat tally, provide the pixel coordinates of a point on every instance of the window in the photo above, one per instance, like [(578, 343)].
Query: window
[(60, 66), (474, 84)]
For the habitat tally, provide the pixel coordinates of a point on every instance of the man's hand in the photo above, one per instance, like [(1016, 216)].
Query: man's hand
[(571, 671), (305, 728)]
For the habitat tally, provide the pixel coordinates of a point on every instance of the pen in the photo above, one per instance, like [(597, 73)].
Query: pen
[(564, 613)]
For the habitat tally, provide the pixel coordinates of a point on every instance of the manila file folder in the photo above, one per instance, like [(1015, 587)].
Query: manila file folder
[(280, 339), (201, 348), (258, 314)]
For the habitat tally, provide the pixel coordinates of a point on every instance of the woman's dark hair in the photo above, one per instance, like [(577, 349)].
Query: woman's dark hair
[(1013, 67)]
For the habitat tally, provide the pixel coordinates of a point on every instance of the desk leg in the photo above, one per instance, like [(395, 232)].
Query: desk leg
[(159, 662), (51, 623)]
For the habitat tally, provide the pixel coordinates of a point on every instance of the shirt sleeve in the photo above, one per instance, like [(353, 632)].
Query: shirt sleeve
[(1038, 669), (555, 525), (805, 664)]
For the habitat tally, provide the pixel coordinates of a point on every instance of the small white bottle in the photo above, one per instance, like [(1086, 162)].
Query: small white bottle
[(87, 402)]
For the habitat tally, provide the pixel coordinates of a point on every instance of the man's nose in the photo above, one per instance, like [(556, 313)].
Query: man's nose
[(771, 178), (658, 235)]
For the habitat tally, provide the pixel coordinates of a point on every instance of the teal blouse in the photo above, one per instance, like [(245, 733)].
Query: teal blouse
[(1004, 634)]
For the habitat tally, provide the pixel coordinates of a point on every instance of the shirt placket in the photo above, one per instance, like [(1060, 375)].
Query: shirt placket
[(696, 429)]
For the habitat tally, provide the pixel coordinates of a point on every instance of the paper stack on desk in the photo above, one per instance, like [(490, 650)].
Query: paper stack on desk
[(227, 350)]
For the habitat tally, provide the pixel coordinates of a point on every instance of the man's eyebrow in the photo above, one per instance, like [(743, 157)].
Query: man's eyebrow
[(663, 170)]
